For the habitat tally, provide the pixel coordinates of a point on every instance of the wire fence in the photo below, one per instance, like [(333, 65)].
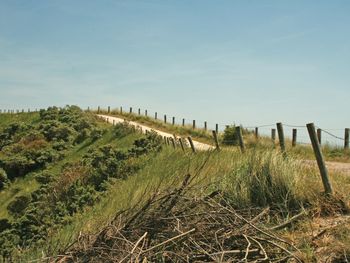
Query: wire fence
[(330, 136)]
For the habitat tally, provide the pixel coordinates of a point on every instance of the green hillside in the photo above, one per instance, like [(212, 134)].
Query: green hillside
[(76, 189)]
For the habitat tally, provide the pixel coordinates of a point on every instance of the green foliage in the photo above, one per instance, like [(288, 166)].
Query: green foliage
[(17, 206), (230, 137), (3, 178)]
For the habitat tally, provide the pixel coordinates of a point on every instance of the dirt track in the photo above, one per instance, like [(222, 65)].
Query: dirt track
[(332, 166)]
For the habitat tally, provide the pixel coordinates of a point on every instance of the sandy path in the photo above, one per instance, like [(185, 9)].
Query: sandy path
[(332, 166), (198, 145)]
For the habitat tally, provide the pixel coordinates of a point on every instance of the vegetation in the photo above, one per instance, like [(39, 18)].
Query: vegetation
[(96, 198)]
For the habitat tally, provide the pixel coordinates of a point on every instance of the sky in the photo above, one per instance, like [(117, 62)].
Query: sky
[(224, 61)]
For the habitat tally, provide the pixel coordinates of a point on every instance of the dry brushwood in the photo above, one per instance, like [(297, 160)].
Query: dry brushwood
[(178, 227)]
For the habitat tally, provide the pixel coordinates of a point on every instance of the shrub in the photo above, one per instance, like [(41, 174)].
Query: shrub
[(3, 178), (17, 206), (230, 137)]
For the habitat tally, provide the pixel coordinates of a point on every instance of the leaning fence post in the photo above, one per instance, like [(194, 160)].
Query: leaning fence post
[(191, 144), (346, 138), (216, 140), (319, 136), (173, 142), (319, 158), (281, 138), (240, 138), (294, 137), (181, 144)]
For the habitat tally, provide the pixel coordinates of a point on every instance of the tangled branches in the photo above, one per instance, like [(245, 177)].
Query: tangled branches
[(178, 227)]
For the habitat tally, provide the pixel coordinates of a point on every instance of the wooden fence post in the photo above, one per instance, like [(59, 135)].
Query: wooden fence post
[(109, 109), (194, 124), (205, 125), (173, 120), (319, 158), (130, 111), (346, 138), (181, 144), (216, 140), (139, 111), (281, 138), (319, 136), (173, 142), (155, 115), (256, 132), (240, 138), (164, 118), (217, 128), (183, 122), (98, 109), (191, 143), (121, 110), (146, 113), (294, 137), (273, 135)]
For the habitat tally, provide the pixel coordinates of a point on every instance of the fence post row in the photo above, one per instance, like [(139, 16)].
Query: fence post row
[(273, 135), (319, 158), (191, 144), (281, 138), (294, 137), (240, 138), (216, 140), (346, 138)]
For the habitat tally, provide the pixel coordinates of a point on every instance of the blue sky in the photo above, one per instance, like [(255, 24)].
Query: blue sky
[(249, 62)]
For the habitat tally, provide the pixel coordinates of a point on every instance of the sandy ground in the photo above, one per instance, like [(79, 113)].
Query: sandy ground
[(332, 166), (197, 145)]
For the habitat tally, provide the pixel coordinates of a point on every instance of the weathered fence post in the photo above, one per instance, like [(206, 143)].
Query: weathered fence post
[(164, 118), (183, 122), (256, 132), (273, 135), (346, 138), (130, 111), (121, 110), (240, 138), (319, 136), (205, 125), (98, 109), (281, 138), (173, 120), (109, 109), (319, 158), (216, 140), (294, 137), (181, 144), (217, 128), (139, 111), (155, 115), (191, 144), (173, 142), (146, 113), (194, 124)]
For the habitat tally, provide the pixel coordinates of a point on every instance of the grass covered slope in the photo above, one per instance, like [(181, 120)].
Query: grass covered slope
[(126, 197), (57, 164)]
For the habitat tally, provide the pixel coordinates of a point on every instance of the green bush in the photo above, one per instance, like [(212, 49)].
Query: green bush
[(17, 206), (3, 178)]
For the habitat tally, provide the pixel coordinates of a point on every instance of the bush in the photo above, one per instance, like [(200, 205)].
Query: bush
[(17, 206), (230, 137), (3, 178)]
